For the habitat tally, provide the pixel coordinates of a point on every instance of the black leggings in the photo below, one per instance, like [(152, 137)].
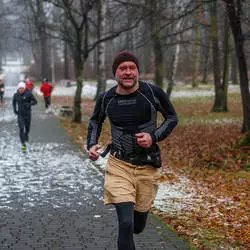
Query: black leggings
[(24, 126), (1, 96), (47, 101), (130, 221)]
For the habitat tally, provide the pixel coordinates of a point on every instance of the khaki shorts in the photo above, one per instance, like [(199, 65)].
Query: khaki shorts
[(125, 182)]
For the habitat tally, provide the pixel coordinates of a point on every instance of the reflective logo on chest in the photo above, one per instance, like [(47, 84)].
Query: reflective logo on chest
[(126, 102)]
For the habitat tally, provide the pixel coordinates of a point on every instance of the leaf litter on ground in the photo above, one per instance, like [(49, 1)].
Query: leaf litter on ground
[(202, 161)]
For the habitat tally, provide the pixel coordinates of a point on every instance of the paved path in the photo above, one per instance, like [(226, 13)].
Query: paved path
[(51, 196)]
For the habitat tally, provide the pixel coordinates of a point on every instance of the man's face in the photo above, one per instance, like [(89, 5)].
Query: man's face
[(127, 75), (21, 90)]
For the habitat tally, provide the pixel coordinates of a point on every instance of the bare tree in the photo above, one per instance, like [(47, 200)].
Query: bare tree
[(206, 47), (176, 27), (80, 35), (156, 41), (101, 47), (218, 106), (234, 68), (6, 46), (66, 60), (35, 16), (2, 32), (234, 10), (197, 25), (227, 58)]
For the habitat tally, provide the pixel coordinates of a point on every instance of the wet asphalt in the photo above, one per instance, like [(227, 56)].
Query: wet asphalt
[(51, 196)]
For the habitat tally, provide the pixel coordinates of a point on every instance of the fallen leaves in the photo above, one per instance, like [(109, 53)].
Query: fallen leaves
[(217, 215)]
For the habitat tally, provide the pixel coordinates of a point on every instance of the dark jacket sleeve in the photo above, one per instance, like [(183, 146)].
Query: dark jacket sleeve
[(167, 110), (30, 101), (95, 123), (33, 100), (14, 104)]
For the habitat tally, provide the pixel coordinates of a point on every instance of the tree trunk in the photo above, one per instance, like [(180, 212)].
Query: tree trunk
[(218, 102), (0, 60), (66, 61), (207, 49), (44, 57), (129, 34), (205, 69), (174, 64), (235, 23), (1, 54), (157, 47), (197, 46), (227, 57), (175, 59), (158, 62), (79, 65), (173, 68), (44, 51), (234, 69), (101, 48), (206, 57)]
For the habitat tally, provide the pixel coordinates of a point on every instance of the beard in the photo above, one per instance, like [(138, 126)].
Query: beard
[(127, 87)]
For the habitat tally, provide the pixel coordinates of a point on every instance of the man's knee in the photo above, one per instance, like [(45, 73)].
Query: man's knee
[(139, 228), (140, 219)]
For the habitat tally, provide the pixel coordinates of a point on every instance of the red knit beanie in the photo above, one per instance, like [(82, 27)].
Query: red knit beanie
[(124, 56)]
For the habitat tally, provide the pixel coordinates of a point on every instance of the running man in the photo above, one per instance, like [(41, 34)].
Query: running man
[(29, 84), (134, 164), (22, 101), (46, 88)]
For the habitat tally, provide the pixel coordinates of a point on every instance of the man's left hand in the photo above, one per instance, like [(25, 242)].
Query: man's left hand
[(144, 139)]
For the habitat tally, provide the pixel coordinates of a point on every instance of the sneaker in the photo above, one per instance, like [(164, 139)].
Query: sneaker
[(49, 110), (23, 147)]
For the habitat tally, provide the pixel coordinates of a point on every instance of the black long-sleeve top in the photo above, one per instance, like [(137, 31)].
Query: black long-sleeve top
[(130, 114), (22, 102)]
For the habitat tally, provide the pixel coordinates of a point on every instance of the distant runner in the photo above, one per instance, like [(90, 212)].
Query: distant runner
[(22, 101), (2, 89), (46, 88), (29, 84)]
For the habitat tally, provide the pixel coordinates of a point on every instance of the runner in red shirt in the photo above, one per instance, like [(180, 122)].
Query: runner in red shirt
[(29, 84), (46, 88)]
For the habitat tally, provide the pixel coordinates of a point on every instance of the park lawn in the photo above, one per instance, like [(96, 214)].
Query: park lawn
[(202, 149)]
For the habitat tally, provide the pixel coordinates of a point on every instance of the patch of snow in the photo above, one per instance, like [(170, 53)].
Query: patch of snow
[(15, 67), (47, 173), (89, 91), (190, 94), (7, 115), (9, 91), (172, 197)]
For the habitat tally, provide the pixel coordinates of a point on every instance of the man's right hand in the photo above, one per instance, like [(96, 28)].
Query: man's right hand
[(93, 152)]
